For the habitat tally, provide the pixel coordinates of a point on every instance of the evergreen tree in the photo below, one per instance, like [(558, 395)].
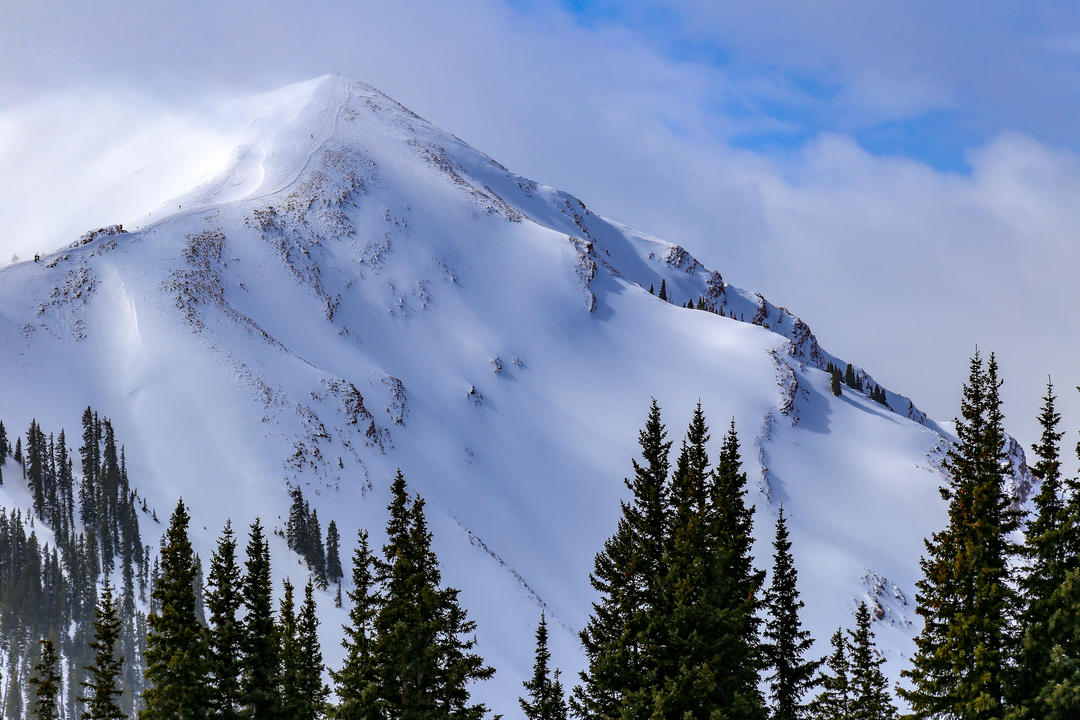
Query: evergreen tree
[(317, 553), (834, 385), (308, 682), (791, 675), (627, 572), (260, 676), (45, 684), (289, 654), (834, 700), (869, 689), (357, 684), (1059, 696), (225, 637), (333, 553), (176, 658), (663, 289), (966, 596), (426, 661), (545, 694), (851, 379), (102, 688), (735, 585)]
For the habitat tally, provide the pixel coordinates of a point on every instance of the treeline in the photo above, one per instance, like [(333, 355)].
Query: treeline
[(50, 591), (1001, 637), (685, 625), (303, 533), (409, 643)]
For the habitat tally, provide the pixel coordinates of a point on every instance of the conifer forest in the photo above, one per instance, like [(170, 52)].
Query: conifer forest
[(686, 623)]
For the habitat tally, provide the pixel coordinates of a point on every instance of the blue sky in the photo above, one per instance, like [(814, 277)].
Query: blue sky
[(902, 175)]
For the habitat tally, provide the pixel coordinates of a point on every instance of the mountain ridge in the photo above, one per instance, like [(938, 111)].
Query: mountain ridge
[(359, 290)]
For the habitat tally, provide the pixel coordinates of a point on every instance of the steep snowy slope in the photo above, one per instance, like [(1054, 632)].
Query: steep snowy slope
[(359, 291)]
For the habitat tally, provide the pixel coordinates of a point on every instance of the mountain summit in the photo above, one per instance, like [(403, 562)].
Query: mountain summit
[(358, 291)]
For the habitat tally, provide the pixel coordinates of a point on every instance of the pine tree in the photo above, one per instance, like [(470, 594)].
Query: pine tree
[(260, 676), (1046, 550), (45, 684), (966, 595), (289, 654), (317, 553), (1059, 696), (357, 684), (869, 689), (102, 688), (545, 694), (735, 586), (791, 675), (627, 572), (663, 289), (309, 685), (421, 630), (225, 637), (834, 700), (176, 657), (834, 385), (333, 553), (850, 379)]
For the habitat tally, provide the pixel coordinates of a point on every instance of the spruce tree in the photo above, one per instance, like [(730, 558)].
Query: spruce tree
[(334, 572), (663, 289), (834, 385), (834, 700), (1045, 548), (791, 675), (45, 684), (422, 633), (103, 686), (357, 684), (545, 694), (623, 628), (735, 586), (1059, 696), (260, 677), (966, 596), (176, 658), (225, 636), (289, 654), (870, 698), (311, 691)]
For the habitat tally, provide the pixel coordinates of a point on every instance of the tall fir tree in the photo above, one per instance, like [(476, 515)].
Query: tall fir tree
[(311, 691), (289, 654), (357, 684), (334, 571), (260, 677), (225, 636), (103, 685), (422, 633), (623, 629), (834, 700), (791, 675), (176, 658), (966, 596), (1059, 696), (545, 699), (1046, 550), (870, 699), (45, 684), (685, 680), (735, 586)]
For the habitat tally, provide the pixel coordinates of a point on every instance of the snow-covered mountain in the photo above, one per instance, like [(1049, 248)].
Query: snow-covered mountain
[(360, 291)]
